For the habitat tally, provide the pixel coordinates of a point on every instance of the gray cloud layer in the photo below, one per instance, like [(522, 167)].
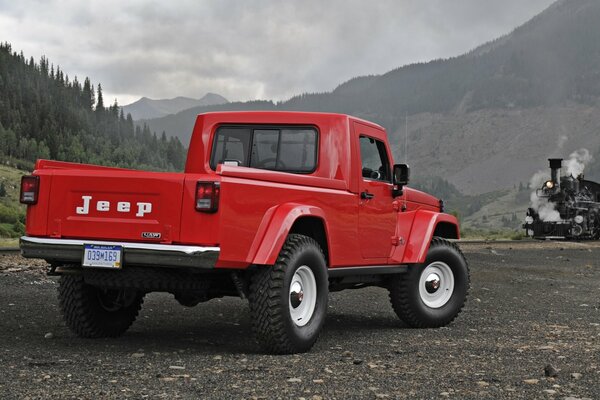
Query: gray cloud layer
[(262, 49)]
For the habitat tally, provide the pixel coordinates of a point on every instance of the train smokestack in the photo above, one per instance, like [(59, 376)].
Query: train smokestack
[(555, 166)]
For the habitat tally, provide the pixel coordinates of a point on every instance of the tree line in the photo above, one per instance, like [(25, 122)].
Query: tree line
[(45, 114)]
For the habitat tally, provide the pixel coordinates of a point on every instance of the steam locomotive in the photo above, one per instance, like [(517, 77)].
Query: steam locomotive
[(568, 208)]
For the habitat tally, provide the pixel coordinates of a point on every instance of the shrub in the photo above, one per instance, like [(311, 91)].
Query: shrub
[(19, 228), (6, 231), (8, 215)]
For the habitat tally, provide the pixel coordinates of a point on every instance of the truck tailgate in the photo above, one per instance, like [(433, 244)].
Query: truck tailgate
[(114, 205)]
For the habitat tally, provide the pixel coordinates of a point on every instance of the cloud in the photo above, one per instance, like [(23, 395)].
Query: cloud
[(243, 50)]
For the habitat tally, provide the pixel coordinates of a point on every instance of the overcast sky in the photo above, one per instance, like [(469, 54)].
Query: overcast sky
[(242, 49)]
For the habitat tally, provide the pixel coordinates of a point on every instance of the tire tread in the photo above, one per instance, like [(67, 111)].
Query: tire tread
[(79, 311), (265, 294)]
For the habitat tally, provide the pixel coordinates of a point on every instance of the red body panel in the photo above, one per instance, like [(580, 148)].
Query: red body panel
[(257, 207), (423, 226), (117, 207)]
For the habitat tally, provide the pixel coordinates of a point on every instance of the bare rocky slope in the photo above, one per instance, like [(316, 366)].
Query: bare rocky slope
[(487, 150)]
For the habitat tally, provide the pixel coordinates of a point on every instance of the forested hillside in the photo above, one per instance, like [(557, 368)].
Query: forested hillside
[(45, 114), (551, 59)]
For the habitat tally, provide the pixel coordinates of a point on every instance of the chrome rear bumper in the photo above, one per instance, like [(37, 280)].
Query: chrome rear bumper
[(70, 251)]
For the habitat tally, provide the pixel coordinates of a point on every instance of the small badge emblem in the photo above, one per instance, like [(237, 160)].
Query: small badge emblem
[(151, 235)]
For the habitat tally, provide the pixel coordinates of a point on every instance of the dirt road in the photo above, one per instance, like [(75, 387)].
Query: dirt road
[(530, 306)]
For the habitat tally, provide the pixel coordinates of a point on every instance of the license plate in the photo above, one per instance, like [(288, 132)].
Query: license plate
[(103, 256)]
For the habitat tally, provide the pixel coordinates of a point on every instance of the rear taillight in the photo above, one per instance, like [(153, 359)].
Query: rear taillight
[(207, 196), (30, 186)]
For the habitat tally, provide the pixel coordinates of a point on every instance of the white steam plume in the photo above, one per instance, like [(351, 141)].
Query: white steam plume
[(576, 163), (542, 206)]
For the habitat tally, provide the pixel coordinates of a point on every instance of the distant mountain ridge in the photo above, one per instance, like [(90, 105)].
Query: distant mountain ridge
[(146, 108), (485, 120)]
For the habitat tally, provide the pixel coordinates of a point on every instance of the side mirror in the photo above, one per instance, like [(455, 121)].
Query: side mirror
[(401, 177), (401, 174)]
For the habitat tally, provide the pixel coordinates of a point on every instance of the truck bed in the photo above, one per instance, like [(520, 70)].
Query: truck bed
[(92, 202)]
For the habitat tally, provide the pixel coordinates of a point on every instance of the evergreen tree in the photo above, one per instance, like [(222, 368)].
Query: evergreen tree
[(100, 103), (88, 98)]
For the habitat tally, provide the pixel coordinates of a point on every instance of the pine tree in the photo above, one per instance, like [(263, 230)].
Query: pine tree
[(88, 99), (100, 103)]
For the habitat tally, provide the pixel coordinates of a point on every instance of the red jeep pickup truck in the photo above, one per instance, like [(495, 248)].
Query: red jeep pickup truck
[(277, 207)]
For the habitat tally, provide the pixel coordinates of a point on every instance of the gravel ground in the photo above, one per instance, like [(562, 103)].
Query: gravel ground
[(532, 306)]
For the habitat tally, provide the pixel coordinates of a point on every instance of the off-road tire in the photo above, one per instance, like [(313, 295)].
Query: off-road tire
[(269, 298), (84, 313), (404, 288)]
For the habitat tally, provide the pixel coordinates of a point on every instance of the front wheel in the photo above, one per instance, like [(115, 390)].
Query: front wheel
[(288, 301), (432, 294)]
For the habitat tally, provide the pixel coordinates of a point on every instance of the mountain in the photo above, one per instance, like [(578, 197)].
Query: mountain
[(181, 124), (485, 120), (146, 108), (553, 58)]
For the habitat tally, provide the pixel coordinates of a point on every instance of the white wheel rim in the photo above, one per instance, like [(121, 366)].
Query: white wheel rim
[(436, 284), (302, 296)]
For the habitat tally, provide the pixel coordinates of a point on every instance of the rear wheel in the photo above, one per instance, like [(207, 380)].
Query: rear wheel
[(288, 301), (94, 312), (432, 294)]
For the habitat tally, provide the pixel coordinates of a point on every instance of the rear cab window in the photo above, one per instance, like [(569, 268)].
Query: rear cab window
[(278, 148)]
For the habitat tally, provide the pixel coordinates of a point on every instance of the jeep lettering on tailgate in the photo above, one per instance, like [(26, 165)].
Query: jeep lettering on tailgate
[(278, 208), (122, 207)]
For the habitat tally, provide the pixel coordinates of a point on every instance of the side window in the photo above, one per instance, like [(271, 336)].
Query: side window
[(375, 163), (285, 149), (298, 151), (231, 144)]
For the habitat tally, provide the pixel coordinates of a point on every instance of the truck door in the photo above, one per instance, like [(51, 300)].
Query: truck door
[(377, 218)]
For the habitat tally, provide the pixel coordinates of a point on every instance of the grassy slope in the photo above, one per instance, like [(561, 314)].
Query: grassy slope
[(501, 217)]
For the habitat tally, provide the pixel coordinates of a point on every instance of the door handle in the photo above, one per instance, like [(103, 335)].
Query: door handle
[(366, 195)]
